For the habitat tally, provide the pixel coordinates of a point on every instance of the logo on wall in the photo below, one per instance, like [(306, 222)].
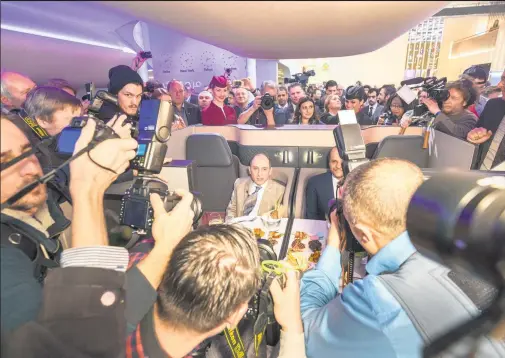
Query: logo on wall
[(208, 61), (325, 66), (186, 63)]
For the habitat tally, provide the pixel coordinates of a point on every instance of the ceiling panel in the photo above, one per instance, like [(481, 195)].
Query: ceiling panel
[(286, 29)]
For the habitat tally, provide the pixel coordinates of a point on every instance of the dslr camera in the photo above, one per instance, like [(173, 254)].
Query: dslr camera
[(267, 102)]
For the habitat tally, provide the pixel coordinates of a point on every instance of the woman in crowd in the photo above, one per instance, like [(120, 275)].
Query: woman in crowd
[(393, 111), (454, 118), (332, 105), (306, 112)]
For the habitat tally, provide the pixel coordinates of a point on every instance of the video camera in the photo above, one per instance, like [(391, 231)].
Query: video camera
[(435, 89), (464, 228), (152, 132), (301, 78)]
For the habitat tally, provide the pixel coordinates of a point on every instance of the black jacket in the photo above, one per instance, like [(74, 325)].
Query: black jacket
[(73, 322), (22, 266), (193, 114), (317, 195), (490, 118)]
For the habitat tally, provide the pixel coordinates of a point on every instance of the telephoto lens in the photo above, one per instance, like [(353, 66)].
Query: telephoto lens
[(460, 218)]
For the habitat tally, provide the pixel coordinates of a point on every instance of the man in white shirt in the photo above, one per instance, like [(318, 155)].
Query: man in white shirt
[(322, 188), (256, 195)]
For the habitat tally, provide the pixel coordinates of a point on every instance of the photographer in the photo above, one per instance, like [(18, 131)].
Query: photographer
[(192, 305), (393, 111), (30, 227), (257, 114), (82, 311), (454, 118), (128, 86), (405, 301)]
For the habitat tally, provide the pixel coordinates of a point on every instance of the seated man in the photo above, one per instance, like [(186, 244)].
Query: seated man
[(322, 188), (256, 195), (405, 301)]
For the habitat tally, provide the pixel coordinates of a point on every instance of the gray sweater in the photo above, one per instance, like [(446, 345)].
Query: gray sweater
[(457, 125)]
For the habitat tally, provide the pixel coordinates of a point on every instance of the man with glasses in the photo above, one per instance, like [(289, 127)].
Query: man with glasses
[(478, 75), (373, 109)]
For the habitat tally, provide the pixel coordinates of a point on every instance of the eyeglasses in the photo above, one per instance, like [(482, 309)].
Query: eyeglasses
[(396, 106)]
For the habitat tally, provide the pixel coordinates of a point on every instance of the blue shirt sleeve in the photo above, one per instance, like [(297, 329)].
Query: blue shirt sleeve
[(350, 323)]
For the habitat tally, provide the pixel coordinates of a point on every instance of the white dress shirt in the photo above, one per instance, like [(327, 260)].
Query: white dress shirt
[(335, 183), (252, 188)]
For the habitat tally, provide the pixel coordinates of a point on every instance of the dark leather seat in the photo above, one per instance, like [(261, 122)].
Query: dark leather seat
[(216, 169), (408, 147)]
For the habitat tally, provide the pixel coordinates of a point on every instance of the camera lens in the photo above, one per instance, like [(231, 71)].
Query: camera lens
[(267, 102)]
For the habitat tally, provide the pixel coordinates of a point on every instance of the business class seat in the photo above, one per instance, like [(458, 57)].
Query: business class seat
[(303, 178), (284, 176), (408, 147), (216, 169)]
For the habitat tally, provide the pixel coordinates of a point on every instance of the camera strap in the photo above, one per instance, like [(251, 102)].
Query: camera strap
[(38, 130), (265, 304), (235, 342)]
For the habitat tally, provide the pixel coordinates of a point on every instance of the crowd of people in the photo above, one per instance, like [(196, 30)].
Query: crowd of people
[(173, 293)]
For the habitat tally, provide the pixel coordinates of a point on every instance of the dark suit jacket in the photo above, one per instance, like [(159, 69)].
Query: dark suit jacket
[(318, 193), (193, 114), (376, 113)]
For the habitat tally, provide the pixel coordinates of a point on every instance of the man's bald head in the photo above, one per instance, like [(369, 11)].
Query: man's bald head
[(14, 88), (377, 195), (260, 169)]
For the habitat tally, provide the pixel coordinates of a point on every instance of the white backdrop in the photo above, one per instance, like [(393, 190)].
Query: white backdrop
[(179, 57)]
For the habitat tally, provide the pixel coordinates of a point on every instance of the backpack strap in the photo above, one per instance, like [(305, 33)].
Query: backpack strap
[(43, 261)]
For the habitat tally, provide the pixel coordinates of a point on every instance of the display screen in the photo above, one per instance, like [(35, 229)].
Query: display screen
[(67, 139), (141, 149), (135, 213)]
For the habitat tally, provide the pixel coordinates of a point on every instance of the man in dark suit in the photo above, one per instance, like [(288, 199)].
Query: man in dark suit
[(322, 188), (189, 112), (373, 109)]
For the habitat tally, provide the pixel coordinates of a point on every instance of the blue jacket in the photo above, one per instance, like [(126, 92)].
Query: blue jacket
[(364, 320)]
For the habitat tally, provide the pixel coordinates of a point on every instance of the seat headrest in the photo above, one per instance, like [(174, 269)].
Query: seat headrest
[(208, 150)]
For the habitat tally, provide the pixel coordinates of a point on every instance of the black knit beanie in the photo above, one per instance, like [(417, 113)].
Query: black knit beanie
[(120, 76)]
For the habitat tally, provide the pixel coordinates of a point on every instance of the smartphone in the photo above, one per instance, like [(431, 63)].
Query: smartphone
[(146, 54), (238, 83)]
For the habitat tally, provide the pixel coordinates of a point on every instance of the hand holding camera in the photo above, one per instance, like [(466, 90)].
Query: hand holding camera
[(405, 121), (287, 303), (333, 232), (432, 105), (103, 164), (381, 119), (170, 227)]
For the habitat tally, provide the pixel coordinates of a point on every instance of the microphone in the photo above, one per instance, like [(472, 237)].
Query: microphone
[(412, 81)]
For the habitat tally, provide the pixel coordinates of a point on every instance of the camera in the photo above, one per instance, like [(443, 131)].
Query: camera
[(146, 54), (68, 137), (136, 210), (301, 78), (389, 118), (267, 102), (435, 89), (458, 219)]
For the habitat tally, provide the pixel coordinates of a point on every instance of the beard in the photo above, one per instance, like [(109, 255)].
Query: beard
[(32, 200)]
